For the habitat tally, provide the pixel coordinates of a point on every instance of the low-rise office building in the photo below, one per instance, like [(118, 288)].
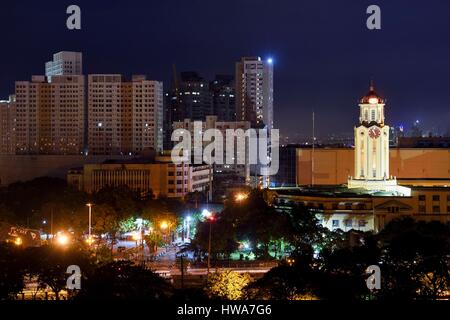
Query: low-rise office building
[(160, 178)]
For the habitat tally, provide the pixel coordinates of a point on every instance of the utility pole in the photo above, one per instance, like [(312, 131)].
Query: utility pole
[(51, 223), (182, 271), (142, 245), (209, 246), (90, 219)]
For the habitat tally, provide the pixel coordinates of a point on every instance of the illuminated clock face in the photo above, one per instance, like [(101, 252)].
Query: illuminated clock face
[(374, 133)]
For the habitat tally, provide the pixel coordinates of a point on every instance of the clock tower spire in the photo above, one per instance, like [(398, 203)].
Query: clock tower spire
[(371, 145)]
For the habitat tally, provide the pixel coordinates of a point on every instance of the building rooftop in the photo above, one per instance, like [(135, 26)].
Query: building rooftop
[(371, 97), (423, 142), (341, 191), (336, 191)]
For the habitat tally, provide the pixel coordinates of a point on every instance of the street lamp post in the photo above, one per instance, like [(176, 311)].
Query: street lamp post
[(51, 224), (209, 216), (165, 226), (142, 244)]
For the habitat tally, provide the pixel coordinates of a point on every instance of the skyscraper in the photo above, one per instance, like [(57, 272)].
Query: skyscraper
[(189, 98), (7, 125), (254, 91), (195, 99), (50, 115), (125, 117), (64, 63), (223, 92)]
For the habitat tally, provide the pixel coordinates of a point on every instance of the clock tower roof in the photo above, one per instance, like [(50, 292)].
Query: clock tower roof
[(371, 97)]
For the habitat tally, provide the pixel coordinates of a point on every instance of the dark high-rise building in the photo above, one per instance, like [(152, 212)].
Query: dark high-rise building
[(195, 98), (189, 98), (223, 92), (416, 130), (287, 172)]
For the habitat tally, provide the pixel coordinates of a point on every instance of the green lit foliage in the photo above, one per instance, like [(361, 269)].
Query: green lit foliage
[(153, 241), (252, 220), (128, 224)]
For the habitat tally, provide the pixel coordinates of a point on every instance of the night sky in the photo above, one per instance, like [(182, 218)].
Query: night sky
[(323, 53)]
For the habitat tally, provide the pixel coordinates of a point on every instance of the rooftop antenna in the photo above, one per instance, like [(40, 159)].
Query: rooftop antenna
[(313, 147)]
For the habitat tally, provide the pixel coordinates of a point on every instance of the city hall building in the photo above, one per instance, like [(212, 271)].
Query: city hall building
[(359, 188)]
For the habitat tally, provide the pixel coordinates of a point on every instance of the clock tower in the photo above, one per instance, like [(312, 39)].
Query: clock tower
[(372, 146)]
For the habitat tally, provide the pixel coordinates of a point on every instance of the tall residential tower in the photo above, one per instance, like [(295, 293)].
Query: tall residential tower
[(65, 63), (125, 117), (7, 126), (50, 115), (254, 91)]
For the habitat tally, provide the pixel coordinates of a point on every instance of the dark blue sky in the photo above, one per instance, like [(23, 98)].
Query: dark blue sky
[(324, 54)]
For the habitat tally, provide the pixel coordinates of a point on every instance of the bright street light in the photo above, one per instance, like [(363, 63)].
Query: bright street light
[(187, 227), (136, 236), (90, 240), (240, 196), (18, 241), (62, 239), (164, 225), (206, 213)]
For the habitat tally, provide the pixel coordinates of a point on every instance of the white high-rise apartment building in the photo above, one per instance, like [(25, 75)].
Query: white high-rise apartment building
[(64, 63), (7, 125), (50, 115), (124, 117), (254, 99), (254, 91)]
